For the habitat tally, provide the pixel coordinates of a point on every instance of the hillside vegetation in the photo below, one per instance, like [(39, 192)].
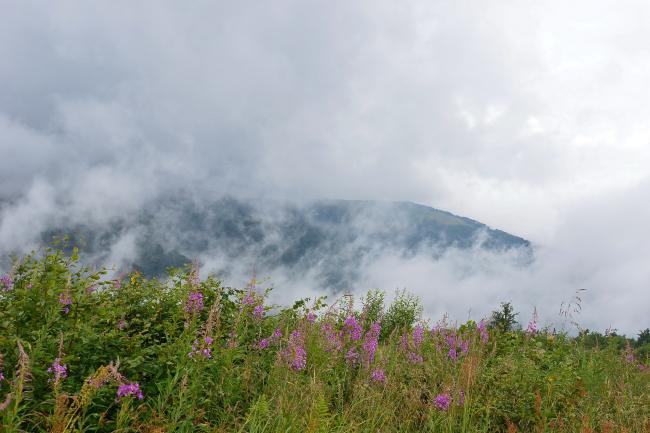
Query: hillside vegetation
[(79, 352)]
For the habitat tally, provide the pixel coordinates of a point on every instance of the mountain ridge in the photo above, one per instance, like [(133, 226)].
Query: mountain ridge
[(329, 238)]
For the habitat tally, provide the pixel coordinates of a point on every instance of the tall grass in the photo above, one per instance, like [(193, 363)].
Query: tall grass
[(79, 352)]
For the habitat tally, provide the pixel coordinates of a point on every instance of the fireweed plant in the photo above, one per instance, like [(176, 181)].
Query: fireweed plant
[(83, 351)]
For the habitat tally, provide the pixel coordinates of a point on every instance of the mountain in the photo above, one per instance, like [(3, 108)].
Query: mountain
[(330, 239)]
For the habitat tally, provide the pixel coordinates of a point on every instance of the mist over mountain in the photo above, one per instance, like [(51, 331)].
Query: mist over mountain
[(329, 239)]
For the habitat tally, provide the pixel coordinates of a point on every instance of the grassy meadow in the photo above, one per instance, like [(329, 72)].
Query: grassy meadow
[(82, 353)]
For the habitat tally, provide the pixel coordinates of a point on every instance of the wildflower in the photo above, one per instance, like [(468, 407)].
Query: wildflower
[(353, 327), (266, 342), (442, 401), (464, 346), (418, 335), (249, 299), (121, 324), (194, 302), (532, 325), (370, 342), (91, 289), (452, 354), (461, 398), (295, 352), (117, 284), (334, 343), (6, 283), (258, 312), (352, 357), (59, 371), (415, 358), (65, 302), (483, 331), (129, 389), (378, 375), (311, 317), (204, 350), (263, 343)]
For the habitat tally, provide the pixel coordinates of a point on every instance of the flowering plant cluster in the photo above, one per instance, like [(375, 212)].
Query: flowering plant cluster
[(58, 371), (194, 303), (242, 364), (6, 283), (202, 348), (65, 301), (128, 390)]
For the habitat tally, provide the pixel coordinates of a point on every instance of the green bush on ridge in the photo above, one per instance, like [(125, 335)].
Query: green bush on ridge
[(79, 352)]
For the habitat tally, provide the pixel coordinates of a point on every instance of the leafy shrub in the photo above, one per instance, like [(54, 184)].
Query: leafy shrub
[(81, 352)]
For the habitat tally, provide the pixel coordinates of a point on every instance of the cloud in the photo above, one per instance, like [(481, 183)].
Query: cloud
[(532, 119)]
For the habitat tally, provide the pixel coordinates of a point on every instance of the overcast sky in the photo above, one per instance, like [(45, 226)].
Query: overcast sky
[(529, 116)]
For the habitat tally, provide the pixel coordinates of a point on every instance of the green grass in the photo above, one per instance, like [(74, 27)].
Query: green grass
[(142, 331)]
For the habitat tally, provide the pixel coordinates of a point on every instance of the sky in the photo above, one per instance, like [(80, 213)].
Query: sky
[(530, 117)]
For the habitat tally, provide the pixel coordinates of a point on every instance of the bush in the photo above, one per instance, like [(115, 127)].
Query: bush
[(80, 352)]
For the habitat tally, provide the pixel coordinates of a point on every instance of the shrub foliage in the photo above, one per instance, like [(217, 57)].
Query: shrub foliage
[(81, 352)]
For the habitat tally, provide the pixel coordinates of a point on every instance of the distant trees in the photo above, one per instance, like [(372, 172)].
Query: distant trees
[(504, 319)]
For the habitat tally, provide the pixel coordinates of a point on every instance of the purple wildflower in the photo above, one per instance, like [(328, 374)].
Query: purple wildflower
[(65, 301), (461, 398), (117, 284), (334, 343), (295, 353), (6, 283), (353, 327), (121, 324), (311, 317), (258, 312), (418, 335), (266, 342), (464, 346), (129, 389), (442, 401), (263, 343), (378, 375), (204, 350), (352, 357), (91, 289), (404, 342), (482, 329), (452, 354), (370, 343), (194, 302), (249, 299), (415, 358), (59, 371), (2, 377), (532, 327)]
